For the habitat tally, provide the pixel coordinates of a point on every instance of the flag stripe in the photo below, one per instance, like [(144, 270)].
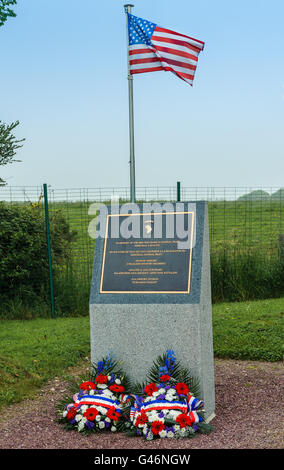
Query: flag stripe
[(200, 44), (154, 69), (186, 75), (149, 65), (192, 64), (180, 72), (135, 47), (136, 57), (145, 60), (157, 46), (181, 53), (153, 63), (176, 63), (140, 51), (178, 42)]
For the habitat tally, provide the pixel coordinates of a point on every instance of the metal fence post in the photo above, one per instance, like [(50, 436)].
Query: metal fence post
[(178, 191), (49, 250)]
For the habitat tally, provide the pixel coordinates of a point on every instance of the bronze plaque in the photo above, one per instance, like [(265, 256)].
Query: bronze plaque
[(150, 263)]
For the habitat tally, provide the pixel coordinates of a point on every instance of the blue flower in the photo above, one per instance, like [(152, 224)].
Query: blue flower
[(100, 367), (170, 360), (104, 365), (90, 424)]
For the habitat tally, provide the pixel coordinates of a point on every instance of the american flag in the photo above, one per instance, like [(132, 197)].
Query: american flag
[(152, 48)]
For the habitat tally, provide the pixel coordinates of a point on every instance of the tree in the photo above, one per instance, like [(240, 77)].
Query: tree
[(5, 11), (8, 144)]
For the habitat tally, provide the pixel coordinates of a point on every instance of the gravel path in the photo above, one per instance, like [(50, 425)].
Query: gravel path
[(249, 415)]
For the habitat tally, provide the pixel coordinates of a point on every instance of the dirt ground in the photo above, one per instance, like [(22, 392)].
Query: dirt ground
[(249, 415)]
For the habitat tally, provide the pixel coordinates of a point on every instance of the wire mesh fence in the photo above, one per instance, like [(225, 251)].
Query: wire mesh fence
[(245, 225)]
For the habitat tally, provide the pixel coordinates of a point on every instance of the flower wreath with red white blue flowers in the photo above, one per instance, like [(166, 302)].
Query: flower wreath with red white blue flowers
[(98, 406), (165, 407)]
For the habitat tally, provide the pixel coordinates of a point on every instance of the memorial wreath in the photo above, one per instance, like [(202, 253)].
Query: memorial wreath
[(165, 407), (98, 406)]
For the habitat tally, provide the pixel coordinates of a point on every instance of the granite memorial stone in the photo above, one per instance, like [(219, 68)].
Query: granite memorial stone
[(151, 290)]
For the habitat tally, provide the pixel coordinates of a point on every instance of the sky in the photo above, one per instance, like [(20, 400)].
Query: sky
[(64, 77)]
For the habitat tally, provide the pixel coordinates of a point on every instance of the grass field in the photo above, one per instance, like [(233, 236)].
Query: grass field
[(235, 225), (237, 229), (245, 257), (35, 351)]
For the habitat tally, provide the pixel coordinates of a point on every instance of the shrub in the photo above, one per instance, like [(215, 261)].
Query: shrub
[(24, 272), (245, 276)]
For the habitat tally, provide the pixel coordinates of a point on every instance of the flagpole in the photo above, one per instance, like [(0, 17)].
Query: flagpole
[(127, 9)]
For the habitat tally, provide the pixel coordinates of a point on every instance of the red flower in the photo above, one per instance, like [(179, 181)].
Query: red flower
[(91, 414), (116, 388), (182, 388), (101, 379), (88, 386), (165, 378), (151, 388), (141, 419), (183, 420), (71, 413), (113, 414), (157, 426)]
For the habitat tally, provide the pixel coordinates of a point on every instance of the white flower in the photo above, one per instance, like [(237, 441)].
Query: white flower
[(145, 429), (82, 424), (169, 397), (78, 418), (101, 425), (108, 394), (163, 433), (98, 418), (102, 386), (153, 417), (162, 391), (117, 381), (84, 408), (113, 428), (155, 394), (109, 377), (102, 410), (173, 414), (107, 420), (176, 427), (64, 414), (170, 434)]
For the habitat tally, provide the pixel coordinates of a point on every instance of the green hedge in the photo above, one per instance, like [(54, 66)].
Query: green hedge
[(246, 276), (24, 272)]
